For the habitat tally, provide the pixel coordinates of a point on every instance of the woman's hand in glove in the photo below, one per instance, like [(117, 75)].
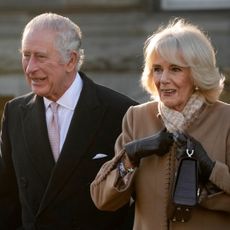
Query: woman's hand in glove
[(158, 144), (205, 164)]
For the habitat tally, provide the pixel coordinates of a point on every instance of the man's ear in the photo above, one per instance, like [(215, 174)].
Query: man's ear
[(72, 63)]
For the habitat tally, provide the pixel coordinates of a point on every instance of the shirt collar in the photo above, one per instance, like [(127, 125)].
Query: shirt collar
[(70, 98)]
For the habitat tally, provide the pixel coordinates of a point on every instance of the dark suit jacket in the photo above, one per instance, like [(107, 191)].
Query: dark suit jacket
[(35, 192)]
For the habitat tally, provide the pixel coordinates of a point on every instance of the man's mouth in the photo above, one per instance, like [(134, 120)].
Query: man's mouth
[(37, 80)]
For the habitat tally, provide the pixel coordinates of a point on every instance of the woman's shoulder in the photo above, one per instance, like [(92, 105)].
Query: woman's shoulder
[(221, 106), (147, 106), (144, 111), (219, 110)]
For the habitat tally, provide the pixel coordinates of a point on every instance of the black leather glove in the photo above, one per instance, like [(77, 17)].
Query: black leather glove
[(205, 164), (159, 144)]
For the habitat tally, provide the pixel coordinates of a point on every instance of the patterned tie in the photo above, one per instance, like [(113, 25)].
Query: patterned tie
[(53, 130)]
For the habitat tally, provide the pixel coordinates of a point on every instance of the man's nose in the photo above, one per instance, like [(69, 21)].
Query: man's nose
[(31, 65)]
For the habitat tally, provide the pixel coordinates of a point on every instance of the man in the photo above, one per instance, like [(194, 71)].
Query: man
[(45, 185)]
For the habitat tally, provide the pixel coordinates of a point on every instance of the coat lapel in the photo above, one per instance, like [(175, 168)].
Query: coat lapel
[(86, 120), (36, 137)]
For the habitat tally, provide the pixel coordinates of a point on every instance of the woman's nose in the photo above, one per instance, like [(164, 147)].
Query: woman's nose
[(164, 76)]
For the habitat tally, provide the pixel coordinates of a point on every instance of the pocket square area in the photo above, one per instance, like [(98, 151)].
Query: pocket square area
[(99, 155)]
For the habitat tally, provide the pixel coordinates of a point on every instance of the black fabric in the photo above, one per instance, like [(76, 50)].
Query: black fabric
[(36, 193), (185, 189), (186, 185)]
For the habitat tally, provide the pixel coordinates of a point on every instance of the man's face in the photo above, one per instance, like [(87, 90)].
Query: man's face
[(44, 69)]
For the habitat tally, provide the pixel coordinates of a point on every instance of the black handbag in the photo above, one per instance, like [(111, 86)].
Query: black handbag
[(185, 190)]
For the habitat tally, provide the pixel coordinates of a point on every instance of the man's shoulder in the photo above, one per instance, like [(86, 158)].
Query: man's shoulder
[(110, 94), (22, 100), (105, 93), (25, 98)]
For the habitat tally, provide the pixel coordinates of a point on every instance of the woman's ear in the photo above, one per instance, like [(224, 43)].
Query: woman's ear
[(72, 63)]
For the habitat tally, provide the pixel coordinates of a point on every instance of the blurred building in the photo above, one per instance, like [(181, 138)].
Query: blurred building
[(114, 32)]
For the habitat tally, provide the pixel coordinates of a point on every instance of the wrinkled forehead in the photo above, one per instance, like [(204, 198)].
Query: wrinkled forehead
[(39, 42), (40, 36), (38, 32)]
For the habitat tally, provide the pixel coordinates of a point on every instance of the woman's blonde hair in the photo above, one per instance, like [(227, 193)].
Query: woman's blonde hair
[(184, 44)]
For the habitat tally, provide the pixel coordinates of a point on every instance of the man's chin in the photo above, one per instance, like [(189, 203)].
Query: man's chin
[(39, 92)]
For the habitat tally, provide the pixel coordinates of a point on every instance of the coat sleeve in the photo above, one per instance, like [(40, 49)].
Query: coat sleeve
[(220, 199), (108, 190), (10, 211)]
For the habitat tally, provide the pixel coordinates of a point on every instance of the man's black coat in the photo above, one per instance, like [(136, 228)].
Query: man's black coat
[(36, 193)]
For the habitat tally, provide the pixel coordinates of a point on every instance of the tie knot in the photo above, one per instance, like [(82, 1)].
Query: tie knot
[(54, 107)]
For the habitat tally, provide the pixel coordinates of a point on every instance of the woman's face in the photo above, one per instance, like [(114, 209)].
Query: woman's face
[(174, 83)]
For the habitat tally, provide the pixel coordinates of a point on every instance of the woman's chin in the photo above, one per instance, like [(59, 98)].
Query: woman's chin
[(173, 105)]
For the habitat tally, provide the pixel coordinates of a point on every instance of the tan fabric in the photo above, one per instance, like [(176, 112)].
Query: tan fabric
[(152, 180)]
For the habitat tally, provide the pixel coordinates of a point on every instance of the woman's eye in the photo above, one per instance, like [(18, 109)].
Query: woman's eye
[(41, 57)]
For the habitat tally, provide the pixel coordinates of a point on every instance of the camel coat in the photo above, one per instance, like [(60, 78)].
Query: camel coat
[(151, 182)]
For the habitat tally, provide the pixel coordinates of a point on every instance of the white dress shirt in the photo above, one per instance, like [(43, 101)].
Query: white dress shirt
[(67, 104)]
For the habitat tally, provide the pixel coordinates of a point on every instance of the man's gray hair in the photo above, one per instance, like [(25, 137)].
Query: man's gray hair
[(68, 36)]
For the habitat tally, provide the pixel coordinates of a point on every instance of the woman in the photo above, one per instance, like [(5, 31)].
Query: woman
[(186, 121)]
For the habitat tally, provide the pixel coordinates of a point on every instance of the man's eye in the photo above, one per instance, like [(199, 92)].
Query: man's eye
[(26, 55), (157, 69)]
